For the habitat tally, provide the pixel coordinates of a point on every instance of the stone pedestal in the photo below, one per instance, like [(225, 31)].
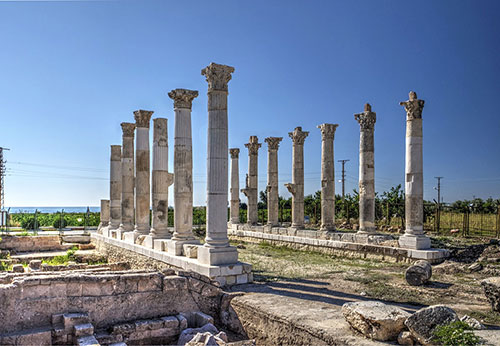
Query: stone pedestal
[(251, 188), (296, 188), (272, 180), (115, 188), (327, 177), (104, 217), (414, 237), (183, 172), (127, 224), (142, 174), (235, 186), (366, 122), (216, 249)]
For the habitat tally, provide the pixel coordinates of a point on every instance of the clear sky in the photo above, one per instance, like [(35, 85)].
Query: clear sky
[(71, 71)]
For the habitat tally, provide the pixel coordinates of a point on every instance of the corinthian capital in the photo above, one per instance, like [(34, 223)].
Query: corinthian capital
[(217, 76), (273, 143), (413, 107), (235, 152), (328, 130), (142, 118), (366, 119), (253, 145), (298, 136), (128, 129), (183, 98)]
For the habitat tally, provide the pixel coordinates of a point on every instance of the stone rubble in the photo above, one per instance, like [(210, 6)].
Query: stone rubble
[(423, 322)]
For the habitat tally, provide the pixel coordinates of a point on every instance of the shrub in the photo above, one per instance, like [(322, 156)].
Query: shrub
[(57, 222), (455, 333), (28, 223)]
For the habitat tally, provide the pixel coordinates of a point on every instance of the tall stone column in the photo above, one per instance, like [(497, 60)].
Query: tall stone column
[(296, 188), (251, 189), (216, 249), (273, 144), (366, 122), (235, 186), (327, 177), (142, 174), (127, 224), (414, 237), (104, 219), (183, 171), (115, 188), (162, 179)]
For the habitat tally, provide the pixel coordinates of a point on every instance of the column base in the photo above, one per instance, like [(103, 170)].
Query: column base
[(217, 255), (176, 247), (417, 242), (149, 241), (130, 237)]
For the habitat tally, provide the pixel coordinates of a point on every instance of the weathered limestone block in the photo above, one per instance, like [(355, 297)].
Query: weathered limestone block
[(35, 265), (18, 268), (375, 320), (491, 288), (423, 322), (419, 273)]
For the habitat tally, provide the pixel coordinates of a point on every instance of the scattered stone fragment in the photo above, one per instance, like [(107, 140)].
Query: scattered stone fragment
[(472, 322), (419, 273), (475, 267), (375, 320), (202, 339), (423, 322), (405, 338), (188, 334), (491, 287), (35, 265), (18, 268)]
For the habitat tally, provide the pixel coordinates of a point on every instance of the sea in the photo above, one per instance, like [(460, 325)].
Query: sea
[(31, 210)]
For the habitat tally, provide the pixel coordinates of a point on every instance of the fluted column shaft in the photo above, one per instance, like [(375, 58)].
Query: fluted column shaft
[(235, 186), (252, 181), (127, 223), (142, 172), (115, 188), (327, 177), (272, 180)]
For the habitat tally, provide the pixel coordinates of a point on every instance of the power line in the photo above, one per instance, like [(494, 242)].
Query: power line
[(2, 175)]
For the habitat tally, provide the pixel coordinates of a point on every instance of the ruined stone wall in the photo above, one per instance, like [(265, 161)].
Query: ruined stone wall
[(31, 243)]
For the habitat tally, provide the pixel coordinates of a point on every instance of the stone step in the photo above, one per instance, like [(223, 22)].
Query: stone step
[(72, 319), (84, 329), (118, 344), (88, 340)]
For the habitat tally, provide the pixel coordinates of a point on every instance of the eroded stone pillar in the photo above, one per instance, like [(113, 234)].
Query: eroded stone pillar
[(296, 188), (273, 144), (235, 186), (104, 219), (366, 122), (216, 249), (251, 188), (142, 173), (414, 237), (115, 187), (183, 171), (162, 179), (128, 209), (327, 177)]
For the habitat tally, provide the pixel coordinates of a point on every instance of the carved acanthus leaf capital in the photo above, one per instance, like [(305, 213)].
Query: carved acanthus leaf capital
[(298, 136), (142, 118), (217, 76), (183, 98), (235, 152), (273, 143), (253, 145), (366, 119), (128, 129), (413, 107), (160, 134), (328, 130)]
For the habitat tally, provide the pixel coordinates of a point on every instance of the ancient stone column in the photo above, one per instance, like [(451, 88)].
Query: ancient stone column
[(273, 144), (104, 220), (366, 122), (251, 188), (142, 174), (296, 188), (183, 171), (162, 179), (216, 249), (414, 237), (235, 186), (327, 177), (115, 187), (127, 224)]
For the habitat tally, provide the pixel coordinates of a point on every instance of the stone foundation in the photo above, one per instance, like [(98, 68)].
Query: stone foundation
[(33, 243)]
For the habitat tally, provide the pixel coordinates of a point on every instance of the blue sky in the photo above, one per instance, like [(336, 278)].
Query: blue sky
[(71, 71)]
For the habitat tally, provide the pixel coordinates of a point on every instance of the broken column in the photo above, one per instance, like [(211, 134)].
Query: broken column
[(414, 237), (235, 186), (327, 177), (296, 188), (127, 224), (366, 122), (104, 219), (162, 179), (183, 172), (115, 187), (251, 188), (273, 144), (216, 249)]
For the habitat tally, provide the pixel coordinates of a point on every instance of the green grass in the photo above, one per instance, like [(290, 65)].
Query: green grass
[(63, 259), (488, 317)]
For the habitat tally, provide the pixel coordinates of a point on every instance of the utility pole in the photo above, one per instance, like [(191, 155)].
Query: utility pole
[(439, 189), (343, 178), (2, 175), (438, 212)]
